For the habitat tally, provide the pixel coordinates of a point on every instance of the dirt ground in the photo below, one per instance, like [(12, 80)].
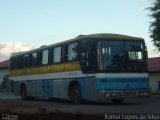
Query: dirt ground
[(37, 110), (13, 108)]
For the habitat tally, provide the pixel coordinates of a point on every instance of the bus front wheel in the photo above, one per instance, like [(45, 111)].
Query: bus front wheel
[(75, 93)]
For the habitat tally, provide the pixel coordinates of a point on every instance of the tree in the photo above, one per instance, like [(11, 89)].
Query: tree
[(155, 24)]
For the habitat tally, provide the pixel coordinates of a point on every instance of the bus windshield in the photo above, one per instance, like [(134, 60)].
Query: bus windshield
[(119, 56)]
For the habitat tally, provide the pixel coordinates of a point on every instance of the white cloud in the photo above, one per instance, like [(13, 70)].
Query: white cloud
[(9, 47)]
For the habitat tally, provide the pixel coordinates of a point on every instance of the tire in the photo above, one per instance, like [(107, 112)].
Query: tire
[(75, 93), (23, 92), (117, 101)]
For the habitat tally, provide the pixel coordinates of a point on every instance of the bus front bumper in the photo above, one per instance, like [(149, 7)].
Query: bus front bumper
[(124, 94)]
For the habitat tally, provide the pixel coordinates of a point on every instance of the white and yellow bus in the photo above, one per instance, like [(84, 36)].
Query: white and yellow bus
[(96, 67)]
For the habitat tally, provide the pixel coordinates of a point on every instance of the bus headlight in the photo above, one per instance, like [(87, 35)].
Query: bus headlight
[(121, 93), (136, 93), (146, 93), (141, 94), (114, 94), (107, 94)]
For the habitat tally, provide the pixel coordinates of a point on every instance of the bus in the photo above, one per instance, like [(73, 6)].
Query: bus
[(94, 67)]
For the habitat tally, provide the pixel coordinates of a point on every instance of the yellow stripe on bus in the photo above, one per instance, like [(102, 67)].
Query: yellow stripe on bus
[(46, 69)]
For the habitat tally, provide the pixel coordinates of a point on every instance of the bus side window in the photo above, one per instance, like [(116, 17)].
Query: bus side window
[(34, 59), (57, 55), (44, 57), (88, 56), (26, 60), (18, 62), (72, 52)]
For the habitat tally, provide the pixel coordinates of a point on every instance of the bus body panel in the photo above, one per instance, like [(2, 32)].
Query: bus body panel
[(104, 65), (93, 88), (47, 87), (123, 83)]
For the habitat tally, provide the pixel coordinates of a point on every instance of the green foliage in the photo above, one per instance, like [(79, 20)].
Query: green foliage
[(155, 24)]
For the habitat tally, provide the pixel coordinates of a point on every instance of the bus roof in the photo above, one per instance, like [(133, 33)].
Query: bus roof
[(110, 36), (100, 35)]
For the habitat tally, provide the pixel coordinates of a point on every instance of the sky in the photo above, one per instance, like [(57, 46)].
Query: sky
[(29, 24)]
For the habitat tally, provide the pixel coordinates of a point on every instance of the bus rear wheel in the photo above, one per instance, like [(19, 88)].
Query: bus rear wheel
[(117, 101), (23, 92), (75, 93)]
